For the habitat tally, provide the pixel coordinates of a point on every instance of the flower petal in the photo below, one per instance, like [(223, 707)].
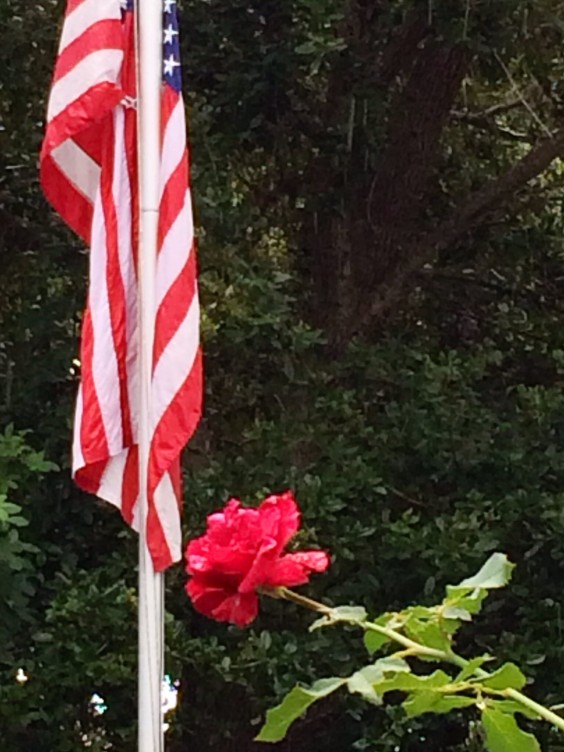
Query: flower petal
[(240, 609), (206, 596), (295, 569), (229, 545), (280, 517), (261, 569), (316, 561)]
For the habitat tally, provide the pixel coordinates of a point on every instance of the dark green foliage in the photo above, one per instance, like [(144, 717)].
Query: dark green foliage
[(418, 447), (19, 560)]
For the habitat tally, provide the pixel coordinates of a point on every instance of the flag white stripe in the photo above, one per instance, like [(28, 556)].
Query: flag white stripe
[(135, 517), (99, 67), (166, 506), (174, 134), (77, 456), (85, 15), (175, 250), (112, 479), (104, 361), (78, 168), (175, 363), (121, 193)]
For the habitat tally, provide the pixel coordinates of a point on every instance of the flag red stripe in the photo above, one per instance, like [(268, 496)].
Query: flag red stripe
[(175, 306), (117, 303), (184, 422), (73, 5), (158, 546), (67, 200), (173, 199), (90, 476), (93, 437), (130, 484), (103, 35), (92, 104)]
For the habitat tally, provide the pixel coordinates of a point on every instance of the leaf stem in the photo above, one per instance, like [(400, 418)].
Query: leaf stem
[(301, 600), (536, 707), (411, 645)]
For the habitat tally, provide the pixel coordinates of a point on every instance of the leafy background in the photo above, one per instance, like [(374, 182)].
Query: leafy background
[(416, 445)]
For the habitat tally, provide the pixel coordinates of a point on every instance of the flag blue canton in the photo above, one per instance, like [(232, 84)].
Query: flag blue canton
[(171, 46)]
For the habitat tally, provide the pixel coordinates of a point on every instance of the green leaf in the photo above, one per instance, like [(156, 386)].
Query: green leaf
[(361, 682), (434, 702), (43, 637), (557, 22), (296, 702), (504, 735), (389, 665), (419, 612), (469, 601), (11, 508), (471, 667), (511, 707), (408, 682), (455, 612), (307, 48), (18, 521), (348, 614), (509, 676), (495, 573), (428, 633), (373, 641)]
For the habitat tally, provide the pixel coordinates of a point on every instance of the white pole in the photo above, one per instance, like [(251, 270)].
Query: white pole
[(151, 584)]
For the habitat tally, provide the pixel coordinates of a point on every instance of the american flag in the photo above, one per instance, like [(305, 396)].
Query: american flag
[(88, 172)]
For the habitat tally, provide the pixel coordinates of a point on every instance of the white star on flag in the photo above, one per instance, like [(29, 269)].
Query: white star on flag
[(169, 34), (168, 5), (169, 65)]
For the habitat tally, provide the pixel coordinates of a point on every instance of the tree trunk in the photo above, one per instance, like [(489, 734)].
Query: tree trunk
[(358, 244)]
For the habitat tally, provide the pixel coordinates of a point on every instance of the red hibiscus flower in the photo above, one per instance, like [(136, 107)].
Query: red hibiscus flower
[(242, 551)]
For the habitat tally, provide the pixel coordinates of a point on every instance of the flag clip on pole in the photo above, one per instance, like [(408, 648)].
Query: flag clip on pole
[(151, 583)]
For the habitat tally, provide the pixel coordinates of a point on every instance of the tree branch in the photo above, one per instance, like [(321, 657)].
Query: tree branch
[(521, 96), (492, 127), (489, 112), (486, 120), (470, 214)]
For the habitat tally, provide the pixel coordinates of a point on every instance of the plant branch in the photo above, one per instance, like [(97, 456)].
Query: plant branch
[(301, 600), (417, 648), (548, 715), (405, 497)]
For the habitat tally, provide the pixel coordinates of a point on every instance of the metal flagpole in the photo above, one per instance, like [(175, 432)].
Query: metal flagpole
[(151, 583)]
